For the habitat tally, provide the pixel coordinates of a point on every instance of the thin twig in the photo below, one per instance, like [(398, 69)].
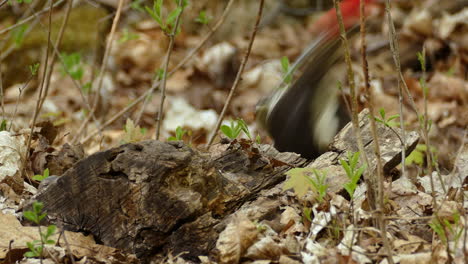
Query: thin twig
[(354, 105), (370, 105), (239, 74), (166, 67), (57, 44), (394, 47), (155, 84), (1, 89), (40, 92), (21, 89), (102, 70), (31, 17)]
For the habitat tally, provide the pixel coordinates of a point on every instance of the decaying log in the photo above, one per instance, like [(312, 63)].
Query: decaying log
[(151, 197)]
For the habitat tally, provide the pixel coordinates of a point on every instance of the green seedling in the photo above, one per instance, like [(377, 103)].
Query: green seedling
[(33, 68), (40, 177), (203, 18), (168, 23), (387, 121), (353, 172), (136, 5), (417, 156), (286, 67), (233, 130), (300, 181), (18, 35), (127, 36), (72, 65), (36, 247), (447, 230), (179, 134), (3, 125)]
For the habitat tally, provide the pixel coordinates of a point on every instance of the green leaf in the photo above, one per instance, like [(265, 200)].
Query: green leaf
[(30, 216), (285, 65), (382, 113), (347, 169), (3, 125), (171, 18), (18, 35), (393, 117), (33, 68), (72, 65), (51, 230), (227, 131), (203, 18)]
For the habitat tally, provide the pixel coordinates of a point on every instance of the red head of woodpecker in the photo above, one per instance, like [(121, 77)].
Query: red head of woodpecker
[(305, 116)]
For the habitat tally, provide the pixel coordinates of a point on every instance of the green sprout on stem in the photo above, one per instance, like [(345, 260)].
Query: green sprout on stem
[(179, 134), (36, 247), (40, 177), (235, 128), (167, 24), (387, 121), (72, 65), (286, 67), (301, 181), (203, 18), (352, 171)]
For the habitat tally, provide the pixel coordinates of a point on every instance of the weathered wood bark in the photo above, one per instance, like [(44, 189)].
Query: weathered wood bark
[(143, 197), (151, 198)]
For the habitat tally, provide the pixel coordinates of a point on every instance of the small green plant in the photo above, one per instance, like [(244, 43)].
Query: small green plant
[(136, 5), (18, 35), (417, 156), (127, 36), (233, 130), (3, 125), (258, 139), (22, 1), (33, 68), (72, 65), (387, 121), (36, 247), (301, 181), (352, 171), (286, 67), (159, 74), (167, 24), (40, 177), (179, 134), (203, 18), (448, 230)]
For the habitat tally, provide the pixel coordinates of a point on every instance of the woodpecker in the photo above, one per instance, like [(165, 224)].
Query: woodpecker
[(303, 117)]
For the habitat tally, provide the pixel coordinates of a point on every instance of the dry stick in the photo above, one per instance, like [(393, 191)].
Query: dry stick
[(1, 89), (10, 49), (192, 52), (166, 67), (155, 84), (31, 17), (354, 106), (13, 116), (370, 105), (41, 89), (239, 74), (354, 115), (75, 82), (57, 44), (102, 70)]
